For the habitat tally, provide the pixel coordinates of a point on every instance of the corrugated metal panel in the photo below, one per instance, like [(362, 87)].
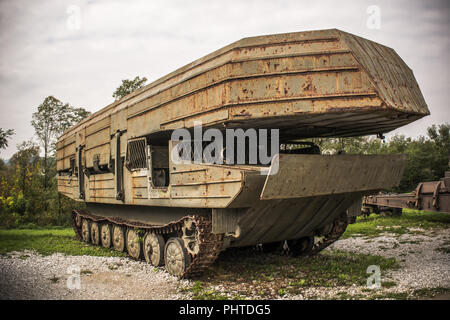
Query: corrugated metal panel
[(65, 150), (392, 77), (67, 185), (98, 140), (242, 72), (101, 187), (277, 220), (301, 176)]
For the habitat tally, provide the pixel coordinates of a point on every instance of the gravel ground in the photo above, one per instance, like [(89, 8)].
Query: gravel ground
[(27, 275), (422, 264)]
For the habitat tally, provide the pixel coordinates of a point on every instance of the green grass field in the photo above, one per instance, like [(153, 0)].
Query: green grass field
[(411, 221), (49, 241)]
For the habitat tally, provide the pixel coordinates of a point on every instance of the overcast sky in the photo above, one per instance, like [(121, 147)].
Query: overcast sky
[(46, 50)]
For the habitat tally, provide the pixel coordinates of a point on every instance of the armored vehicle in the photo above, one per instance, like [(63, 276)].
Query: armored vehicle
[(182, 214)]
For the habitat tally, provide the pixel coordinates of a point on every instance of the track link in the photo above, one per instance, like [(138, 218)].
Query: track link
[(339, 227), (210, 245)]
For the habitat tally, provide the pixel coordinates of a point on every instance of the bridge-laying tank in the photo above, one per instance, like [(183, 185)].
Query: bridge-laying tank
[(313, 84)]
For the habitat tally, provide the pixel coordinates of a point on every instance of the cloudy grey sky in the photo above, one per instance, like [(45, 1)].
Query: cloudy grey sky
[(43, 52)]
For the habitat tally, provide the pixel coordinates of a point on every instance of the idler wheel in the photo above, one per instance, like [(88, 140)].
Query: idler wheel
[(78, 220), (190, 237), (106, 235), (118, 238), (133, 244), (176, 257), (325, 230), (154, 249), (302, 246), (95, 233), (85, 234)]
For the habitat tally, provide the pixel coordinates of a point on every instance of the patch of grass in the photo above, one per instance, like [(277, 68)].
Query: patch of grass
[(256, 274), (388, 284), (281, 292), (54, 279), (49, 241), (299, 283), (88, 272), (419, 294), (114, 266), (445, 248), (374, 225), (202, 292), (410, 242), (431, 293), (390, 295), (345, 296)]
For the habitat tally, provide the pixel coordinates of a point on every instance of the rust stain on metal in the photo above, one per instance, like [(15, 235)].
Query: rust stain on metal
[(325, 83)]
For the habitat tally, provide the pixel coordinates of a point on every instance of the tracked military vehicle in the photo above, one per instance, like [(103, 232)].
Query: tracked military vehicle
[(324, 83)]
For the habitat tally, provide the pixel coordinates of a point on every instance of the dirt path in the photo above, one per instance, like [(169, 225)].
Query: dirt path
[(26, 275)]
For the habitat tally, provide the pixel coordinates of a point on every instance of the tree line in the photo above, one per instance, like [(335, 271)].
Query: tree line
[(28, 184)]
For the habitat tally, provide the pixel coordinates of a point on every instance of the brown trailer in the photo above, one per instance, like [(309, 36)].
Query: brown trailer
[(428, 196)]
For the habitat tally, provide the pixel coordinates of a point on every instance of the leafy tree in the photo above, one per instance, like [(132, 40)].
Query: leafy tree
[(440, 135), (4, 136), (20, 186), (128, 86), (50, 121), (352, 145), (26, 164)]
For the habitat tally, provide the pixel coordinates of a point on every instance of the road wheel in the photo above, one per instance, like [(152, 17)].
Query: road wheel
[(78, 220), (302, 246), (133, 244), (176, 257), (154, 249), (272, 247), (118, 238), (106, 235), (95, 233), (397, 212), (85, 234)]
